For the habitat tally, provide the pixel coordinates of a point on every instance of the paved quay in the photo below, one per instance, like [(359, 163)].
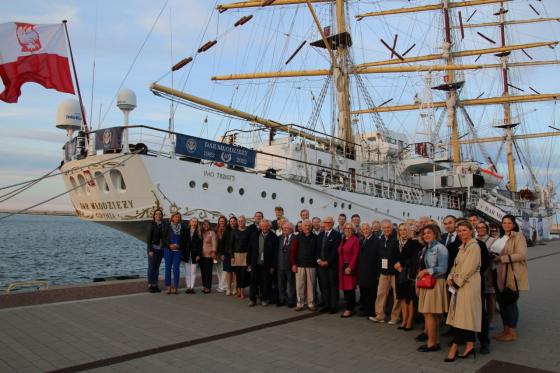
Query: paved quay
[(142, 332)]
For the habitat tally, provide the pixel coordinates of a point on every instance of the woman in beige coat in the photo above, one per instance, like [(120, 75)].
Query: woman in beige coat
[(465, 309), (511, 259)]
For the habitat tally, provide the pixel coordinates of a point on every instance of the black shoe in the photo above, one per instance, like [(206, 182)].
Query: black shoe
[(401, 327), (279, 304), (157, 289), (425, 348), (151, 289), (484, 350), (324, 310), (332, 311), (408, 329), (422, 337), (450, 359), (472, 351), (291, 305)]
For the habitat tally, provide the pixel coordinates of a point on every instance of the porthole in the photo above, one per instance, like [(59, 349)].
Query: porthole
[(273, 195), (230, 189), (263, 194), (335, 203), (302, 200), (204, 186), (310, 201), (350, 206), (388, 211), (192, 184), (241, 191), (342, 205)]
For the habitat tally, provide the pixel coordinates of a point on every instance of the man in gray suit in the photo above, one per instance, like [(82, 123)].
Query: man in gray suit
[(286, 278)]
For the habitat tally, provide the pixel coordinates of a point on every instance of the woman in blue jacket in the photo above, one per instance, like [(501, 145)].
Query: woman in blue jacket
[(432, 302)]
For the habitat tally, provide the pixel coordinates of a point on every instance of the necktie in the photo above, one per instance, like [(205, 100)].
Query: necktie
[(325, 237)]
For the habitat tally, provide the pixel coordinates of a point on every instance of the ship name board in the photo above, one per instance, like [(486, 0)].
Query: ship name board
[(219, 175), (107, 205)]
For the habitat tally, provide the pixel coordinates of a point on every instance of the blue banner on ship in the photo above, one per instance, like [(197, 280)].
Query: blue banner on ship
[(215, 151)]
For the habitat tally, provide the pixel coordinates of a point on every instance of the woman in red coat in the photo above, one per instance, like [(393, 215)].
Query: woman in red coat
[(348, 252)]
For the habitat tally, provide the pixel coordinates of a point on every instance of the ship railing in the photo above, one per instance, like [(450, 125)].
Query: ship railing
[(159, 142)]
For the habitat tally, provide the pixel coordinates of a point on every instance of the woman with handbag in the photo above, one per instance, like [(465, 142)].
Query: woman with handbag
[(510, 257), (430, 284), (407, 266), (464, 281), (348, 253)]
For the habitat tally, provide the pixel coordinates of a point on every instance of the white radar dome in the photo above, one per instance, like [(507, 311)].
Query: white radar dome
[(126, 99), (69, 115)]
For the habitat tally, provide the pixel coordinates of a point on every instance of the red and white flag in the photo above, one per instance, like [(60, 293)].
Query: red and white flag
[(33, 53)]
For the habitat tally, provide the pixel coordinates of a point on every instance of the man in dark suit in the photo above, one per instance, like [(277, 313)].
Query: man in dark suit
[(327, 261), (368, 272), (261, 259), (256, 223), (279, 213), (450, 240)]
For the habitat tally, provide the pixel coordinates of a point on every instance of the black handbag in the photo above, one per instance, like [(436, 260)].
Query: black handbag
[(509, 296)]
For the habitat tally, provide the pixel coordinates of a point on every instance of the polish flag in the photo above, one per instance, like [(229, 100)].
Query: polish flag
[(33, 53)]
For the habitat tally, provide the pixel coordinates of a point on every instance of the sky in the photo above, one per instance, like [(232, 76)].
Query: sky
[(111, 34)]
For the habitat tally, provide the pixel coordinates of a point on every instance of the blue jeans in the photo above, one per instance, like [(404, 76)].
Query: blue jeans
[(510, 314), (172, 261), (154, 263)]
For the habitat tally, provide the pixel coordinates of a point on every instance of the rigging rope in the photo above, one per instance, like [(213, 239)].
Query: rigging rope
[(130, 155), (135, 59)]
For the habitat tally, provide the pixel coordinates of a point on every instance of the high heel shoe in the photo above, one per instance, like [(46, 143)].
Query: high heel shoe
[(451, 359), (472, 351)]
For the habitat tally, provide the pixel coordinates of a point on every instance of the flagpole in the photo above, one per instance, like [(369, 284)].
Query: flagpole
[(84, 122)]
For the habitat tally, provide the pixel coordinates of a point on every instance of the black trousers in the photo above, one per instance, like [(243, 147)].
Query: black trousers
[(261, 280), (461, 336), (286, 287), (367, 300), (350, 299), (483, 334), (206, 271), (328, 282)]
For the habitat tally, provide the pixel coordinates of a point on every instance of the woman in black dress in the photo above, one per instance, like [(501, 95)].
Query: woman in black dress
[(406, 265), (155, 249)]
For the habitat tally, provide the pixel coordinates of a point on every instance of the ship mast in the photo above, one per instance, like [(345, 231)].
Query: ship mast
[(342, 84), (508, 126), (451, 101)]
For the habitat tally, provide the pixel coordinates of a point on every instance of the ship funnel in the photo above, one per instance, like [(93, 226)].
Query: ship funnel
[(69, 117), (126, 101)]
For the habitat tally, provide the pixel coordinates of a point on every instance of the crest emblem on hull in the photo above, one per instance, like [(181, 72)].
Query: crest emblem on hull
[(191, 145), (226, 157), (28, 37)]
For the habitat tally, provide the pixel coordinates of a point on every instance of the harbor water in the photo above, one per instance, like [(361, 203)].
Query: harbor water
[(65, 250)]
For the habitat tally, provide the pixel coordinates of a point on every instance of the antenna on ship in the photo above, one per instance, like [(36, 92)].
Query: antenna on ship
[(126, 102)]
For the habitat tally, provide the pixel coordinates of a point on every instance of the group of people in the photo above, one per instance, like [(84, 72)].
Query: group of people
[(400, 271)]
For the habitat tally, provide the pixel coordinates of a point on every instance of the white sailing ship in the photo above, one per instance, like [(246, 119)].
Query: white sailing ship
[(117, 176)]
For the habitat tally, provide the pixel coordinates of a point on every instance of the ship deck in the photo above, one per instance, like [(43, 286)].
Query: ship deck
[(118, 327)]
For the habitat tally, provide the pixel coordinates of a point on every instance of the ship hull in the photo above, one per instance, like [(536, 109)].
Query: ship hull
[(123, 193)]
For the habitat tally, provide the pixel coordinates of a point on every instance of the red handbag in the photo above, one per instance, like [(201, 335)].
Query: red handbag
[(426, 282)]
